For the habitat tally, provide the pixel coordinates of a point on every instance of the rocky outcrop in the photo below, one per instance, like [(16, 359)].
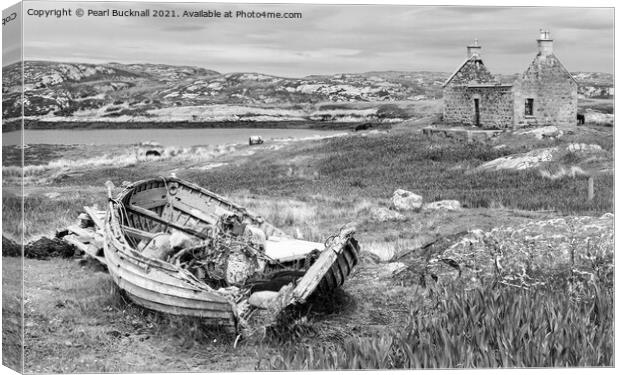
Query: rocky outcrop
[(105, 92), (405, 200), (526, 160), (542, 132), (448, 205), (598, 118), (572, 251), (582, 147)]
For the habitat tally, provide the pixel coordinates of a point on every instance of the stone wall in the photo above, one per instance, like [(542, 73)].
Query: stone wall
[(495, 104), (553, 90)]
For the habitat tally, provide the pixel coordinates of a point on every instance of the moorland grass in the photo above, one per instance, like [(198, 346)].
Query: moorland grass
[(490, 327), (375, 167), (345, 172), (487, 327), (42, 214)]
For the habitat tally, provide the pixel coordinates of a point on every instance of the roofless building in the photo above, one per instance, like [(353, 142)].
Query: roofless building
[(545, 94)]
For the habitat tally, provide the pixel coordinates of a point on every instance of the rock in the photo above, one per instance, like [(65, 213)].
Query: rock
[(381, 252), (406, 200), (598, 118), (526, 160), (560, 172), (383, 214), (582, 147), (449, 205), (395, 267), (542, 132), (263, 299)]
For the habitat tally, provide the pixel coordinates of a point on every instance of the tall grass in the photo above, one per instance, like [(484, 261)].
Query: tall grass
[(486, 327), (43, 215), (374, 167)]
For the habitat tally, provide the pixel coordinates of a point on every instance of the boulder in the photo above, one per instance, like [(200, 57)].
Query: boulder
[(582, 147), (543, 132), (406, 200), (383, 214), (521, 161), (449, 205)]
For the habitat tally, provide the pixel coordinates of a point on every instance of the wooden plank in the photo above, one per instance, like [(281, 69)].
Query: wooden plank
[(194, 212), (151, 215), (137, 233), (343, 266), (166, 281), (287, 249), (321, 267), (150, 197), (96, 216), (85, 234), (335, 275), (205, 314), (349, 256), (199, 202), (90, 250), (149, 288)]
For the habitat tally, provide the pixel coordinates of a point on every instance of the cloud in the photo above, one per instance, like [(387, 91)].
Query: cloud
[(332, 38)]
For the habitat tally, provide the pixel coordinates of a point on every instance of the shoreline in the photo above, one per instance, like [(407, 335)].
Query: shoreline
[(14, 125)]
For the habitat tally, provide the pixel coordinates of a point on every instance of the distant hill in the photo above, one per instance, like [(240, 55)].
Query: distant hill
[(114, 92)]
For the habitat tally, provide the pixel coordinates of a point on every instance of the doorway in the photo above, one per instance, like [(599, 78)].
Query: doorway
[(477, 112)]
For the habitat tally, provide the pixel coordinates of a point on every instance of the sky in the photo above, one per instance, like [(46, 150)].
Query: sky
[(328, 39)]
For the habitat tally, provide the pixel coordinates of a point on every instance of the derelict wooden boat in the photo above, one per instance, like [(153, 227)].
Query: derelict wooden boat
[(145, 208)]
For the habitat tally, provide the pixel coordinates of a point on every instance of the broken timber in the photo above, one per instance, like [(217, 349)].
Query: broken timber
[(89, 240)]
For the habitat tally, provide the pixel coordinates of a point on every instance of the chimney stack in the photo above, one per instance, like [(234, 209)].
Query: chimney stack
[(545, 43), (474, 50)]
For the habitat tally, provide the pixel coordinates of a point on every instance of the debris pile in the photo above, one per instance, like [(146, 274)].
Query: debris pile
[(42, 248), (231, 259)]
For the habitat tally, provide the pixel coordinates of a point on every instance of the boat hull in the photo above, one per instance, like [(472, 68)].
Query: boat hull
[(163, 287), (147, 207)]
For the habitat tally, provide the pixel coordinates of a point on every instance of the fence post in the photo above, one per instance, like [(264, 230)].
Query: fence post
[(590, 188), (469, 137)]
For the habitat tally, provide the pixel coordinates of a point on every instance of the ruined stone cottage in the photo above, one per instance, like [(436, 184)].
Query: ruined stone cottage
[(545, 94)]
